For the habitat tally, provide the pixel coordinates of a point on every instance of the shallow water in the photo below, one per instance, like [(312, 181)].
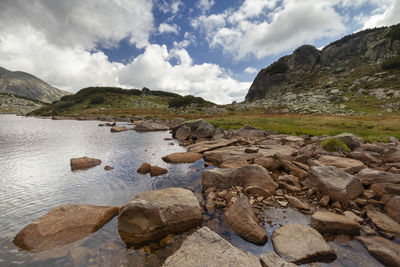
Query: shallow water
[(36, 177)]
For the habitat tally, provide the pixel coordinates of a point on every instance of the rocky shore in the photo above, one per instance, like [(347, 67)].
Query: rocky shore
[(353, 193)]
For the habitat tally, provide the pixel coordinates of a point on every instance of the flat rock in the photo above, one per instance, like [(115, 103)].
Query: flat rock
[(330, 223), (204, 146), (230, 154), (349, 165), (370, 176), (385, 188), (384, 223), (63, 225), (300, 244), (156, 171), (151, 127), (182, 157), (385, 251), (151, 216), (293, 169), (392, 208), (271, 259), (272, 150), (252, 175), (83, 163), (297, 203), (206, 248), (241, 218), (117, 129), (337, 184)]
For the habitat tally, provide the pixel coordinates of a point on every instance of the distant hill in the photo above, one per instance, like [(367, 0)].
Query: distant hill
[(356, 74), (25, 84), (10, 103)]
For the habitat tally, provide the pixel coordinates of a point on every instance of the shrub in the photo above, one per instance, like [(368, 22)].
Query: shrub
[(334, 145), (97, 100), (391, 63), (182, 101)]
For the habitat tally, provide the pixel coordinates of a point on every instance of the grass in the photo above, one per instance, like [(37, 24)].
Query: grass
[(334, 145)]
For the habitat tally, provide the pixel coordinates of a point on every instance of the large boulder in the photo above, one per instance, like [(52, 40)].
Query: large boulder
[(350, 140), (151, 127), (384, 223), (300, 244), (382, 249), (241, 218), (151, 216), (392, 208), (193, 129), (182, 157), (252, 175), (337, 184), (83, 163), (331, 223), (370, 176), (349, 165), (206, 248), (63, 225)]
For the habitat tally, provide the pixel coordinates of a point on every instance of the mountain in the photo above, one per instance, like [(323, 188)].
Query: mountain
[(17, 104), (25, 84), (356, 74)]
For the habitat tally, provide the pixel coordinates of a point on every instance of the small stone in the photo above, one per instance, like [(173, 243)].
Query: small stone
[(156, 171), (336, 205), (324, 202), (144, 168), (368, 230), (107, 168), (353, 216), (369, 194), (273, 260)]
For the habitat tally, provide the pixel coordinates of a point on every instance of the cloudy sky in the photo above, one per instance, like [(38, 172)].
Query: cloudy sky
[(207, 48)]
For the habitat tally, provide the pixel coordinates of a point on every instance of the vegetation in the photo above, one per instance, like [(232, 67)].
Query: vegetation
[(334, 145), (97, 100), (277, 67), (394, 32), (183, 101), (346, 38), (391, 63)]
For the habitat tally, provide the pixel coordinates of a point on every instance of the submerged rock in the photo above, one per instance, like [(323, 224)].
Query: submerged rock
[(382, 249), (300, 244), (331, 223), (63, 225), (83, 163), (151, 216), (182, 157), (206, 248), (241, 218)]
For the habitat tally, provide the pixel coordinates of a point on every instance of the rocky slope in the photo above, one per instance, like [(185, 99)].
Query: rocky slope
[(357, 74), (25, 84), (19, 105)]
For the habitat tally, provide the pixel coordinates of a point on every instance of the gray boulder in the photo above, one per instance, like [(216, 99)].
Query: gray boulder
[(193, 129), (350, 140)]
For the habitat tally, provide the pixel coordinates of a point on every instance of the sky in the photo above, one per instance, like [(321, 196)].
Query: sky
[(208, 48)]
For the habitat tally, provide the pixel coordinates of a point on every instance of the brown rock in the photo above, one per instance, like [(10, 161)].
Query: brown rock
[(108, 168), (324, 202), (241, 218), (204, 146), (144, 168), (293, 169), (230, 154), (83, 163), (392, 208), (297, 203), (156, 171), (182, 157), (382, 249), (117, 129), (151, 127), (331, 223), (384, 223), (273, 260), (267, 162), (349, 165), (257, 191), (151, 216), (63, 225), (370, 176), (381, 189)]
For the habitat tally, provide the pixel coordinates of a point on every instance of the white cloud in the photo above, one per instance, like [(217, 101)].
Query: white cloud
[(168, 28), (388, 15), (205, 5), (250, 70), (170, 6)]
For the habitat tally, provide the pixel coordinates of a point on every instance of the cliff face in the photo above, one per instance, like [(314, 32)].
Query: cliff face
[(25, 84), (336, 67)]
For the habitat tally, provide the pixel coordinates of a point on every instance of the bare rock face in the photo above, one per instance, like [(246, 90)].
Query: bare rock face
[(182, 157), (331, 223), (63, 225), (241, 218), (252, 175), (392, 208), (153, 215), (83, 163), (337, 184), (384, 223), (370, 176), (206, 248), (300, 244), (151, 127), (194, 129), (349, 165), (271, 259), (385, 251)]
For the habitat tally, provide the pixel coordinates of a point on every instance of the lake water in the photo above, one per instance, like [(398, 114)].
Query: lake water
[(35, 176)]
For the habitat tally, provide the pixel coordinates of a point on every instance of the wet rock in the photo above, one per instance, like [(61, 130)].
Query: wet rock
[(151, 216), (206, 248), (252, 175), (349, 165), (144, 168), (108, 168), (63, 225), (385, 251), (384, 223), (182, 157), (392, 208), (83, 163), (331, 223), (300, 244), (151, 127), (370, 176), (156, 171), (273, 260), (117, 129), (210, 204), (337, 184), (297, 203), (194, 129), (350, 140), (241, 218)]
